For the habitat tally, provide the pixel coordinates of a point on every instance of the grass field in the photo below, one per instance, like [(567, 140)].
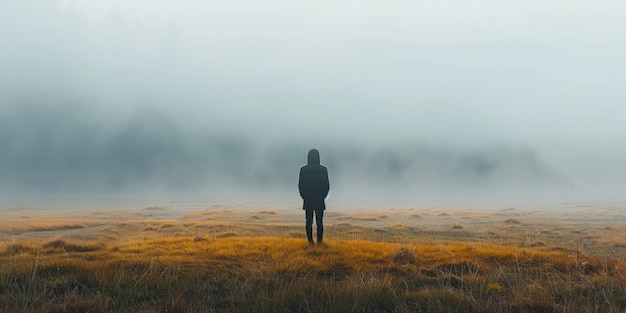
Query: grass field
[(248, 259)]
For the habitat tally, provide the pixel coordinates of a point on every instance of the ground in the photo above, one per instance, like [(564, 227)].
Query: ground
[(196, 257), (587, 229)]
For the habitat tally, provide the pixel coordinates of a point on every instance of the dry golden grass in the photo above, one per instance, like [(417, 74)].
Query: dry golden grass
[(222, 260), (14, 226), (263, 274)]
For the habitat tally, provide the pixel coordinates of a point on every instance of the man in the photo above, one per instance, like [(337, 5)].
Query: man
[(313, 185)]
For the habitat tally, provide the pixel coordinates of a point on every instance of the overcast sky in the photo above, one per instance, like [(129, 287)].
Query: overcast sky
[(97, 94)]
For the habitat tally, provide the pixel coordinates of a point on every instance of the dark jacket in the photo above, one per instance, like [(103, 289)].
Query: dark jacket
[(313, 183)]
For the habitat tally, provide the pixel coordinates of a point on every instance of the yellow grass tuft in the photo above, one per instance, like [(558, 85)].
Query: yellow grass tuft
[(494, 287), (17, 226)]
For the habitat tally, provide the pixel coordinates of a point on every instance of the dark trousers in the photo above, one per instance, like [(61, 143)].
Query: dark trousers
[(319, 215)]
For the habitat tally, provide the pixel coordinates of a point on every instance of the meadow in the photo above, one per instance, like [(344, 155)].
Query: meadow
[(229, 258)]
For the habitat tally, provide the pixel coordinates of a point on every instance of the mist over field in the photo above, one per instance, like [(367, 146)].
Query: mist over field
[(407, 101)]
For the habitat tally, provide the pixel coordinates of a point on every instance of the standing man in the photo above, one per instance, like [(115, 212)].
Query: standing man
[(313, 185)]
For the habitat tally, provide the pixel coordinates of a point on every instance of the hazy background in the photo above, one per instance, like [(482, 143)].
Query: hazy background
[(417, 101)]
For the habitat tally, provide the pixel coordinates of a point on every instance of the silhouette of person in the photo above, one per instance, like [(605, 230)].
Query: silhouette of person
[(313, 186)]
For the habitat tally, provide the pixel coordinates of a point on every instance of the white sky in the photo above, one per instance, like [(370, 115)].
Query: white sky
[(526, 69), (547, 74)]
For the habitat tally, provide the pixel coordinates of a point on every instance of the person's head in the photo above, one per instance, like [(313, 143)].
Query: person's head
[(314, 156)]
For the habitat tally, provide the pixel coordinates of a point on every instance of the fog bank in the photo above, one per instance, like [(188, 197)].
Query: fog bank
[(414, 101)]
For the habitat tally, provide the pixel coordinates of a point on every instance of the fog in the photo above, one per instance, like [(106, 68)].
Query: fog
[(416, 101)]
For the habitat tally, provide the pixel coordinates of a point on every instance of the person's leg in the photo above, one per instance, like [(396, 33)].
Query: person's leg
[(319, 216), (309, 225)]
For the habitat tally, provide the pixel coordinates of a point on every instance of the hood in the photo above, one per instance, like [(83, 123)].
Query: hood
[(314, 156)]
